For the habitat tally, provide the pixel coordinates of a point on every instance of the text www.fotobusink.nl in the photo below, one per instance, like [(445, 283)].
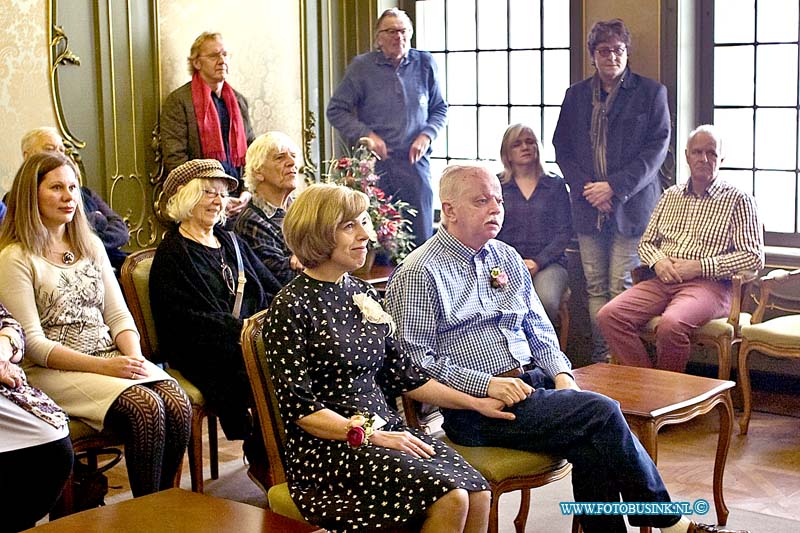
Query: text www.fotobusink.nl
[(634, 508)]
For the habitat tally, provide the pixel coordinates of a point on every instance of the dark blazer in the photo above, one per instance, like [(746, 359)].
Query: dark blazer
[(180, 136), (638, 138)]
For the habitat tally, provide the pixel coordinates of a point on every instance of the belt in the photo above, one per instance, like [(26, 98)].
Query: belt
[(515, 372)]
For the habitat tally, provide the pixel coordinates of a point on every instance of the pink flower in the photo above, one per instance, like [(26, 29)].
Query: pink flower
[(344, 162), (499, 279), (365, 167), (356, 436)]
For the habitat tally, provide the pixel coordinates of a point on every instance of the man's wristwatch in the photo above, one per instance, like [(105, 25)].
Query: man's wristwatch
[(16, 346)]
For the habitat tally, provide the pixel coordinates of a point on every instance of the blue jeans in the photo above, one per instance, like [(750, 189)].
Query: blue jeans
[(590, 431), (412, 184), (607, 260), (549, 284)]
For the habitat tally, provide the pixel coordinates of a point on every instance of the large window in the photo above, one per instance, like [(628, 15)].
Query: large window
[(500, 62), (756, 104)]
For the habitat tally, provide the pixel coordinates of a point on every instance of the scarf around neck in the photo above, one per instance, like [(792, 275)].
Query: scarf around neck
[(209, 125), (599, 131)]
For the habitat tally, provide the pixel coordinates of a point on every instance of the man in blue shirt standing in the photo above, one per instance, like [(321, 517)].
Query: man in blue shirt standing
[(467, 314), (392, 97)]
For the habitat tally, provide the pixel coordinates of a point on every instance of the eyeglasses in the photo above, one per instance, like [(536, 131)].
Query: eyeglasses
[(394, 32), (211, 194), (215, 57), (605, 52)]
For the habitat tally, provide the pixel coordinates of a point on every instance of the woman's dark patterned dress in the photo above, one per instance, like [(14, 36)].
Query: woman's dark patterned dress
[(324, 355)]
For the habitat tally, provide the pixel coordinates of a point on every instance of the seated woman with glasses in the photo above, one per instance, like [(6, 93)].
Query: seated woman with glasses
[(537, 219), (193, 287), (82, 347)]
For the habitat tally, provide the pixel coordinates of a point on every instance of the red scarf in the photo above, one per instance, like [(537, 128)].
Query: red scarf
[(208, 123)]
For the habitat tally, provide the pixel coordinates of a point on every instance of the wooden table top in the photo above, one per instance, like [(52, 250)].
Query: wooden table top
[(176, 510), (378, 274), (648, 392)]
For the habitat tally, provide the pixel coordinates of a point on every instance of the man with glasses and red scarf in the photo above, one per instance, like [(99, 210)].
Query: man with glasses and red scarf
[(206, 118)]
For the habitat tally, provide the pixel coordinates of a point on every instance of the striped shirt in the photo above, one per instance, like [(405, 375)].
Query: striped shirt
[(720, 228), (459, 328)]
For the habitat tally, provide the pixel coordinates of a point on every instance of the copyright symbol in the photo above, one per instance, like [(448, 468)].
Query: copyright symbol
[(701, 506)]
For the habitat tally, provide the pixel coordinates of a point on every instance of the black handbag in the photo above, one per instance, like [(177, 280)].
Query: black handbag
[(89, 482)]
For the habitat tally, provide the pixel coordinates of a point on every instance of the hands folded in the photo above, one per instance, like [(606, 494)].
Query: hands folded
[(126, 366)]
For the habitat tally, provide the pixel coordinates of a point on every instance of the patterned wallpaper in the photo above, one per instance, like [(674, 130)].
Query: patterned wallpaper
[(263, 34), (24, 79), (264, 37)]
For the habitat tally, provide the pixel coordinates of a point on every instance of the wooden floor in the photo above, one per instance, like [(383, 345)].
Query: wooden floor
[(762, 473)]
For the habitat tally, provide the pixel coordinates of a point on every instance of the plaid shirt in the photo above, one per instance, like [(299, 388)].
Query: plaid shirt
[(720, 228), (459, 328), (260, 225)]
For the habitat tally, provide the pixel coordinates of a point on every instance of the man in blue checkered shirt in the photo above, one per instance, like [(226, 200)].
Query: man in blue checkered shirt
[(466, 312)]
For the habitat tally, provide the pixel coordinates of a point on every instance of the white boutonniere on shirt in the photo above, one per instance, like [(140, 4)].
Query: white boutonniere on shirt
[(373, 311)]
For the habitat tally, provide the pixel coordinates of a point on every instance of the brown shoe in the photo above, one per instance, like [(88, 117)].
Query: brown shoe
[(694, 527)]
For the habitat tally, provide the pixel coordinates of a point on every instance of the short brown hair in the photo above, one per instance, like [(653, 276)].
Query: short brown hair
[(605, 30), (310, 224), (194, 51)]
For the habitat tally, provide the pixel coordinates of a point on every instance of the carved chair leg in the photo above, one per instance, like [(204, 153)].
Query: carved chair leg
[(213, 449), (524, 507), (744, 381), (196, 452)]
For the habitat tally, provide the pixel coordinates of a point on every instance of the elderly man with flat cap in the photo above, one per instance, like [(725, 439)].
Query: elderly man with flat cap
[(193, 294)]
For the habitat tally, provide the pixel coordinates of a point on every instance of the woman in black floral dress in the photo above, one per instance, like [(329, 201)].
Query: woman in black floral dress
[(332, 360)]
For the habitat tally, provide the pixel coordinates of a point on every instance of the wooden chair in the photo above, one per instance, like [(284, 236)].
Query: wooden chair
[(267, 406), (777, 337), (563, 319), (505, 469), (91, 442), (135, 279), (722, 334)]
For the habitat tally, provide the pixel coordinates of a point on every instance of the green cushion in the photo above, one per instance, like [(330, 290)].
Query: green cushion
[(79, 430), (777, 332), (194, 394), (498, 464), (281, 502), (718, 327)]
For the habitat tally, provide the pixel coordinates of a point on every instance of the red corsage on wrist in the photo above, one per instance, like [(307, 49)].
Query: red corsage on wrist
[(359, 430)]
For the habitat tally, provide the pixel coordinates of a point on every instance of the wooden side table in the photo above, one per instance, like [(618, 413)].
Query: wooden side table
[(176, 511), (651, 398)]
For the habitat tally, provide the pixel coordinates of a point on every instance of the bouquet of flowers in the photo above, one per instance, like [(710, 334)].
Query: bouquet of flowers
[(392, 228)]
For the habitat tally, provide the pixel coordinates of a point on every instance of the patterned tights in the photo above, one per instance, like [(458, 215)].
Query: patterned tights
[(154, 420)]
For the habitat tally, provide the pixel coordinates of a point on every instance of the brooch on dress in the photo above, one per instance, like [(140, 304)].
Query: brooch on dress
[(373, 312), (499, 279)]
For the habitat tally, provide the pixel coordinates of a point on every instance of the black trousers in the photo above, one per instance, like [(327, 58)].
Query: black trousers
[(31, 480)]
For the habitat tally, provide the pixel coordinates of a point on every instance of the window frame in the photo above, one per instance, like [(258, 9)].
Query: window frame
[(707, 109)]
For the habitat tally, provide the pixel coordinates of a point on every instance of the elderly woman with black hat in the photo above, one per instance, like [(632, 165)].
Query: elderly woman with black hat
[(195, 281)]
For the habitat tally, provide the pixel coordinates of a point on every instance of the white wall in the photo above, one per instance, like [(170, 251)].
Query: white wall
[(25, 101), (264, 36)]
